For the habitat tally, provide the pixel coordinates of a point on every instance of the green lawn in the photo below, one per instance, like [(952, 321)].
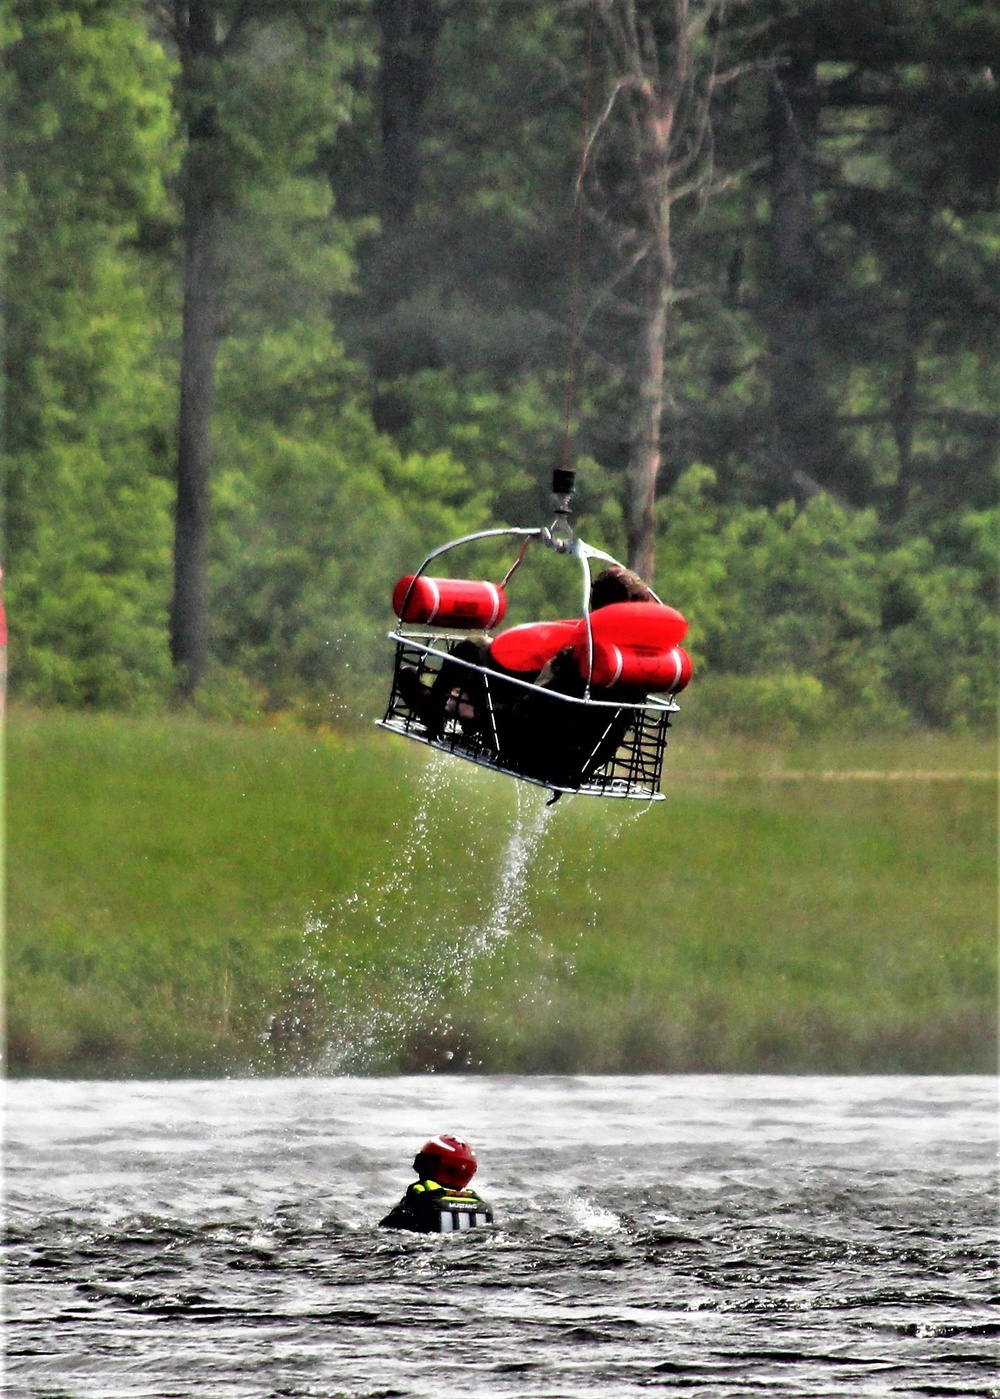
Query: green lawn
[(186, 897)]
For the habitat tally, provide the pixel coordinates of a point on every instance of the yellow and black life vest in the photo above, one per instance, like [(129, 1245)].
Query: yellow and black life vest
[(430, 1208)]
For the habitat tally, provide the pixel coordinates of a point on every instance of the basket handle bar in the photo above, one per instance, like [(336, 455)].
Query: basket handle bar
[(577, 547), (585, 552), (526, 534)]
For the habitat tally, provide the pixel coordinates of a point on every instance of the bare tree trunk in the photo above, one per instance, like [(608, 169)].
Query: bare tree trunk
[(408, 35), (905, 403), (409, 31), (199, 348), (904, 420), (663, 71), (645, 451), (195, 26), (796, 417)]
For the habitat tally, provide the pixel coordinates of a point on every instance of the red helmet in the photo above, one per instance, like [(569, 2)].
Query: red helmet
[(447, 1159)]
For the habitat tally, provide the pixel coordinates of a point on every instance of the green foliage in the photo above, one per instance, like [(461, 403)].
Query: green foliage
[(477, 280), (337, 469), (259, 107), (942, 630), (808, 615), (87, 596), (89, 143), (316, 515)]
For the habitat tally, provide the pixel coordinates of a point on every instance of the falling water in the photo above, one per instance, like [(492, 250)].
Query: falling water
[(511, 906), (413, 851), (373, 1020), (436, 945)]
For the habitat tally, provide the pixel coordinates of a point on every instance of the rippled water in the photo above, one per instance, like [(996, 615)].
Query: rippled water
[(706, 1236)]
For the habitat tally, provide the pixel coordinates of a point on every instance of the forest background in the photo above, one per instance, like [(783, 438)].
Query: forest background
[(325, 252), (391, 197)]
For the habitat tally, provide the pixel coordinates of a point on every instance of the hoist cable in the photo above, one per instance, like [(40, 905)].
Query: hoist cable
[(575, 276)]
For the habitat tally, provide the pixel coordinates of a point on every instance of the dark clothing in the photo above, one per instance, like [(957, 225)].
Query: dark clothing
[(429, 1208), (532, 732), (565, 744), (456, 692), (460, 692)]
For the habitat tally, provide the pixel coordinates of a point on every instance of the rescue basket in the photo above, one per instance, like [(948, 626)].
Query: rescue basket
[(449, 693)]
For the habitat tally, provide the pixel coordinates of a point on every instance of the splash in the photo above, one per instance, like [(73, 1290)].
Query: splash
[(591, 1218), (429, 955), (511, 901)]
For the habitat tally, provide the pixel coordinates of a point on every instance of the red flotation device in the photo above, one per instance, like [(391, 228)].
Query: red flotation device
[(667, 671), (650, 626), (449, 602), (645, 626), (527, 648)]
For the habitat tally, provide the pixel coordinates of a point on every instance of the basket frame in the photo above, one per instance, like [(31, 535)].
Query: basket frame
[(631, 771)]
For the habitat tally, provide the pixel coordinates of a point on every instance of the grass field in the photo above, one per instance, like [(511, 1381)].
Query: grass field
[(194, 898)]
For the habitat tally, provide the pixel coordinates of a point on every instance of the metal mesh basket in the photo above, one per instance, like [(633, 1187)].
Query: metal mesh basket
[(568, 744)]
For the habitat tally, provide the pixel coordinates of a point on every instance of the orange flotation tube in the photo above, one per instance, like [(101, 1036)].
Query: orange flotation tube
[(450, 602), (643, 626), (661, 671), (527, 648)]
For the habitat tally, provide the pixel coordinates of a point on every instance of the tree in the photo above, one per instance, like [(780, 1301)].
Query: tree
[(881, 183), (468, 166), (408, 31), (260, 89), (408, 34), (801, 421), (663, 71), (204, 203), (88, 148)]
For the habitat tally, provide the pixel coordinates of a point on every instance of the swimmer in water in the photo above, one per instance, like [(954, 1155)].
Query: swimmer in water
[(439, 1201)]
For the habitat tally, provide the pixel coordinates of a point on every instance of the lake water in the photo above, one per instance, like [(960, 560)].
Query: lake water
[(708, 1236)]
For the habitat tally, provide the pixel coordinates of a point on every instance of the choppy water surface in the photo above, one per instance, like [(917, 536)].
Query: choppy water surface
[(699, 1236)]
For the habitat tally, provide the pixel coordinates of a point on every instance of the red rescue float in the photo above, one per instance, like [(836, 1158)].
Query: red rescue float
[(650, 626), (660, 671), (645, 626), (527, 648), (449, 602)]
